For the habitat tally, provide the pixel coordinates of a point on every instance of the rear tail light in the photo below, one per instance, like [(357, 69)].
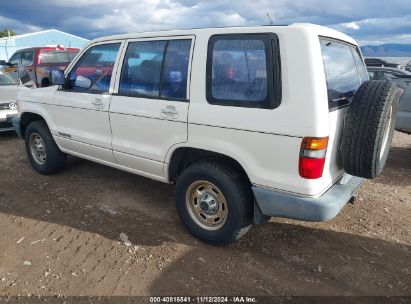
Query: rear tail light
[(312, 157)]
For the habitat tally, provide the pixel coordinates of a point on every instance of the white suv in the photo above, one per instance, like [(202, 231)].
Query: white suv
[(248, 122)]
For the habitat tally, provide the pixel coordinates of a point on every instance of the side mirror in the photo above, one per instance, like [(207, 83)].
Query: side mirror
[(82, 82), (3, 63), (57, 77)]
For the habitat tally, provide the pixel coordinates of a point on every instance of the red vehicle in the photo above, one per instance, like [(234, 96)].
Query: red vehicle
[(33, 65)]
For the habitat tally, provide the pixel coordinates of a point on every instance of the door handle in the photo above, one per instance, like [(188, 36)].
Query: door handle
[(169, 111)]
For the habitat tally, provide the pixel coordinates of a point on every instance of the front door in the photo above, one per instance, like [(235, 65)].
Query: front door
[(81, 106)]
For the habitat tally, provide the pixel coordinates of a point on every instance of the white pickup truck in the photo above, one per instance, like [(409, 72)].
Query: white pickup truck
[(248, 122)]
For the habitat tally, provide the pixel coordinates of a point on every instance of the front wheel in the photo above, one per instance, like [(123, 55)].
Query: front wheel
[(43, 153), (215, 202)]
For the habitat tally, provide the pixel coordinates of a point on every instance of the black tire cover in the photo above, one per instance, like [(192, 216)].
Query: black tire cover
[(369, 128)]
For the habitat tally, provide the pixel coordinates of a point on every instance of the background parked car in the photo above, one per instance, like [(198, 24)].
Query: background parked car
[(403, 79), (9, 87), (376, 62), (33, 65)]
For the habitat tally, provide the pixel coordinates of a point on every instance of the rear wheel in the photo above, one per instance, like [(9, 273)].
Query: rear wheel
[(42, 151), (215, 202)]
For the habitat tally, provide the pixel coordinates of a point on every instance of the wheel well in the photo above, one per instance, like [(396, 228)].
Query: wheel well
[(27, 118), (184, 157)]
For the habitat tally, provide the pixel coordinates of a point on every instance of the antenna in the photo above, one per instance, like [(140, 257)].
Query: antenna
[(270, 20)]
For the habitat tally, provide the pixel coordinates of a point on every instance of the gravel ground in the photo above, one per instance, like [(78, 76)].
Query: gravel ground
[(60, 235)]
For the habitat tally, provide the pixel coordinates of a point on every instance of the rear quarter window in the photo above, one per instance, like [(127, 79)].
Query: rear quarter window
[(243, 70), (344, 71)]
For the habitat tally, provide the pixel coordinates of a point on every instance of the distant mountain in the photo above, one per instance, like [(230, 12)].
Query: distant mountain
[(387, 50)]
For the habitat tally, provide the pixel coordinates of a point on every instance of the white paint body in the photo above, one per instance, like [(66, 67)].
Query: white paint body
[(8, 95), (132, 133)]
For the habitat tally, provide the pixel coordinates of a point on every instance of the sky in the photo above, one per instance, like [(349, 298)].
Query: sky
[(370, 22)]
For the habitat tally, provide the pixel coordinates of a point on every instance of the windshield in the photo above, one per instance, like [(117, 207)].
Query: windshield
[(6, 79)]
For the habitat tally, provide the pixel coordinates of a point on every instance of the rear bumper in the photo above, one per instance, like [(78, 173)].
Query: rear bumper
[(313, 209)]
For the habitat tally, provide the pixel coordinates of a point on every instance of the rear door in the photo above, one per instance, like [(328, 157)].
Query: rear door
[(148, 112), (345, 71)]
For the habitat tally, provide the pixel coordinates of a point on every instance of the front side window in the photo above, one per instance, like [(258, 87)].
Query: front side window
[(239, 70), (343, 78), (92, 72), (156, 69), (15, 59)]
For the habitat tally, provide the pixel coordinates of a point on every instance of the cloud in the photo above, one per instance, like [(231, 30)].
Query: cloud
[(365, 20), (351, 26), (17, 25), (380, 30)]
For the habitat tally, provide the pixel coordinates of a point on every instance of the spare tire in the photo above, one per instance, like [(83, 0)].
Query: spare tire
[(369, 128)]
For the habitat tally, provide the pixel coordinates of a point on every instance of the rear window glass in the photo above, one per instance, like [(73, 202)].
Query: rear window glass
[(239, 70), (55, 57), (362, 70), (343, 76)]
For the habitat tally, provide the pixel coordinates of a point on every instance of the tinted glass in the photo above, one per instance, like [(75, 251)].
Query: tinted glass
[(6, 79), (72, 55), (141, 70), (15, 59), (340, 71), (97, 66), (54, 57), (175, 69), (239, 70), (362, 70), (27, 58)]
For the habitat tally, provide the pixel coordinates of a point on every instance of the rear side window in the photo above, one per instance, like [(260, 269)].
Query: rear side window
[(243, 70), (156, 69), (142, 69), (343, 76)]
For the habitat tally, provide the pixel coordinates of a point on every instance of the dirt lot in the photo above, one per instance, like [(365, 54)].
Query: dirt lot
[(59, 235)]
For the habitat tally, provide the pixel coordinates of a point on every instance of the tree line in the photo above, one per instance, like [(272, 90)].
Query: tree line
[(7, 33)]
